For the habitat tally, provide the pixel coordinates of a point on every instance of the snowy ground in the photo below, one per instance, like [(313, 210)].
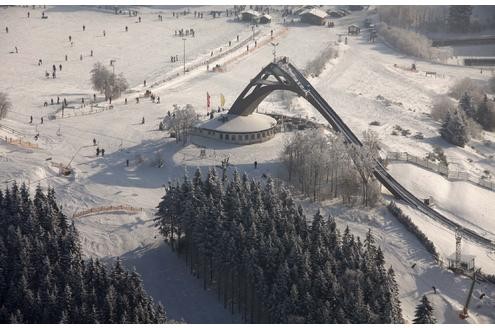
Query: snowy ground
[(351, 84)]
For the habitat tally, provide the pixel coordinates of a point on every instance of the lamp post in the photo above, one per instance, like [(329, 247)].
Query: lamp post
[(274, 50), (252, 28), (184, 39)]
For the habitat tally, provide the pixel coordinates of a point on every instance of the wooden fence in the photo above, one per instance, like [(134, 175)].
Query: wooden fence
[(106, 209), (441, 169)]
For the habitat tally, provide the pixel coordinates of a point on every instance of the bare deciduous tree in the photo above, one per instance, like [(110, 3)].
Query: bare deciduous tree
[(106, 82), (469, 86), (441, 106), (317, 65), (181, 122), (322, 165)]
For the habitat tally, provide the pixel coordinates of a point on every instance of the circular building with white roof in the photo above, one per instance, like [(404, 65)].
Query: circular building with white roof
[(238, 129)]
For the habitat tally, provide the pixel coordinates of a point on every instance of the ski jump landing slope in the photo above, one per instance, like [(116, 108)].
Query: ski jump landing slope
[(282, 75)]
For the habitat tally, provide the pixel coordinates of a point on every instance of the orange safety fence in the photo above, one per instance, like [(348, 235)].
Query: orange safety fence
[(104, 209), (20, 142)]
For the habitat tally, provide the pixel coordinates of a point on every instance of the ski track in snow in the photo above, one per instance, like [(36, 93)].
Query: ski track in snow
[(350, 84)]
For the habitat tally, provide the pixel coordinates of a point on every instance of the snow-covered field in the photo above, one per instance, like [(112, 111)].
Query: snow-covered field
[(350, 84)]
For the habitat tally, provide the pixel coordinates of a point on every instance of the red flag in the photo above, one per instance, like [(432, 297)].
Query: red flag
[(208, 100)]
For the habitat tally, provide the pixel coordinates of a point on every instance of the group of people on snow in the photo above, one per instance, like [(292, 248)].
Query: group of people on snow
[(186, 32)]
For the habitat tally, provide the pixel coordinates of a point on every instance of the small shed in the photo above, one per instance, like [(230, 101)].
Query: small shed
[(313, 16), (265, 19), (353, 30), (465, 264), (250, 15)]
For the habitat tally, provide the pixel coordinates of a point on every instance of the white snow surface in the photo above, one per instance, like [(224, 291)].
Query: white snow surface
[(350, 84)]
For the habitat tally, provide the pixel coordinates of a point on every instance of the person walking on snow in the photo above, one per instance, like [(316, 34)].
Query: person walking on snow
[(103, 152), (97, 151), (142, 121), (94, 141), (6, 29)]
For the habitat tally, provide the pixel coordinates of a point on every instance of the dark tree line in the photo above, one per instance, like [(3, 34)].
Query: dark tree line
[(43, 278), (252, 243)]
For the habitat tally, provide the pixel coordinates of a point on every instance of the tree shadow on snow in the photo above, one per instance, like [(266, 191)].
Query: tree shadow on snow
[(147, 174), (167, 279)]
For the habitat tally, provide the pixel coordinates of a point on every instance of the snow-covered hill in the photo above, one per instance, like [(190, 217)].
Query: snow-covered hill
[(350, 84)]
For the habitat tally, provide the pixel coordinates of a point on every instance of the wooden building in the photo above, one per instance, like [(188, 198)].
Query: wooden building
[(265, 19), (313, 16), (250, 16), (353, 30)]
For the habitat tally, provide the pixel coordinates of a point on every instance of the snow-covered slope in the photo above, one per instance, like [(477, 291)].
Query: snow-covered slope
[(351, 84)]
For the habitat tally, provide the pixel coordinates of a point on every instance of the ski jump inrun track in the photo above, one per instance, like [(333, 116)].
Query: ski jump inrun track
[(282, 75)]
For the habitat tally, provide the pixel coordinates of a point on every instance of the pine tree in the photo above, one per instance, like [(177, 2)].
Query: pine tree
[(454, 129), (459, 18), (268, 265), (486, 114), (43, 278), (467, 106), (424, 312)]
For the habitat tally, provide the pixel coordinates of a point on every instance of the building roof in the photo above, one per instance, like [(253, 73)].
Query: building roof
[(303, 8), (251, 12), (239, 124), (464, 257), (354, 25), (314, 12)]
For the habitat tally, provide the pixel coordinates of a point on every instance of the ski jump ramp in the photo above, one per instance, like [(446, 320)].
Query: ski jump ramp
[(282, 75)]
